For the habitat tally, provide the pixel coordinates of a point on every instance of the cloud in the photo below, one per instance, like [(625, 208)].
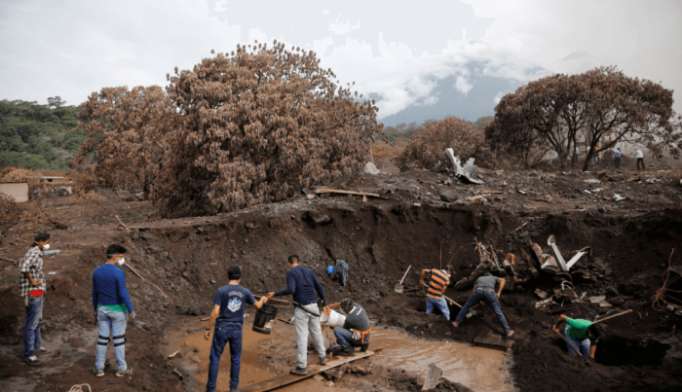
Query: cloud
[(395, 51), (463, 85)]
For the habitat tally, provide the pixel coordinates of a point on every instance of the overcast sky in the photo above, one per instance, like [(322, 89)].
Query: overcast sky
[(392, 48)]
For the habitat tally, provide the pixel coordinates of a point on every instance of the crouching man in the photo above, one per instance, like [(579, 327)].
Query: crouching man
[(355, 330), (578, 333)]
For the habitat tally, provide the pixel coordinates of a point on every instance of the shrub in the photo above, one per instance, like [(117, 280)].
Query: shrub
[(426, 148)]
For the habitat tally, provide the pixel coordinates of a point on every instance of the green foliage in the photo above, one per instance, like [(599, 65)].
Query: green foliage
[(38, 136)]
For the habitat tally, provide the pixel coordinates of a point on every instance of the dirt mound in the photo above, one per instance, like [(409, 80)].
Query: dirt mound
[(15, 174)]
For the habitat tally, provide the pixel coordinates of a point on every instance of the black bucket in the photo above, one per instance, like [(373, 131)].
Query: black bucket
[(264, 316)]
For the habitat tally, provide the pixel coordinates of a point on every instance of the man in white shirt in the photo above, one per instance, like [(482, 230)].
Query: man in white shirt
[(639, 154)]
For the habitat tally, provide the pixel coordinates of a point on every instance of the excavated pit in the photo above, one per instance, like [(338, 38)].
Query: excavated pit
[(187, 259), (381, 241)]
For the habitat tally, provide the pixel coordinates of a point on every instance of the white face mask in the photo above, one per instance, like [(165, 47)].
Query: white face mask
[(46, 246), (121, 261)]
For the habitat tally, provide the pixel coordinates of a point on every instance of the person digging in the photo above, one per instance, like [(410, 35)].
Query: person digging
[(355, 330), (579, 335), (484, 290), (436, 282)]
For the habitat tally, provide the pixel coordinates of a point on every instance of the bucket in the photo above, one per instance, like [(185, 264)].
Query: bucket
[(332, 318), (264, 317)]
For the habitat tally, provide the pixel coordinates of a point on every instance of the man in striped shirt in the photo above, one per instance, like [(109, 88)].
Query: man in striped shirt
[(436, 282)]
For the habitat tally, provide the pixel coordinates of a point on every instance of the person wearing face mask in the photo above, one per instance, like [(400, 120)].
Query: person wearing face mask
[(112, 306), (32, 287)]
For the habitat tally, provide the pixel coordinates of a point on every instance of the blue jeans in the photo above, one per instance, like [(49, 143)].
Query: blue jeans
[(440, 304), (582, 345), (34, 315), (489, 297), (111, 324), (224, 333), (344, 337)]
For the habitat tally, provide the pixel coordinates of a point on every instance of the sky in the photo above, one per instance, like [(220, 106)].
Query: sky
[(393, 50)]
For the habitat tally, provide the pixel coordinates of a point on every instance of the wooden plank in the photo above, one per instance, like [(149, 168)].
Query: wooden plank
[(492, 340), (288, 379), (323, 189)]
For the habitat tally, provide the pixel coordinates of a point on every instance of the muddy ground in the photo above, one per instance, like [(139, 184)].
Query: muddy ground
[(422, 219)]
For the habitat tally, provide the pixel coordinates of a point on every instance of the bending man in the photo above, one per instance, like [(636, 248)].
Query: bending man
[(484, 290)]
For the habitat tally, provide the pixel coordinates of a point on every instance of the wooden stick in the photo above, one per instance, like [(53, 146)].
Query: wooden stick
[(275, 300), (623, 313), (130, 267), (320, 190), (120, 222)]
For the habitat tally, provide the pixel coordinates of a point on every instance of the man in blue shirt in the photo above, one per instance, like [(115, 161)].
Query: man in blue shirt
[(112, 306), (303, 285), (229, 304)]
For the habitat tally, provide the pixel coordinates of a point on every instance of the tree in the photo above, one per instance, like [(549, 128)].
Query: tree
[(125, 135), (428, 143), (579, 115), (258, 124)]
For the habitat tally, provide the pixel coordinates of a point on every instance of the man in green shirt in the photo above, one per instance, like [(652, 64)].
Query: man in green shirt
[(578, 332)]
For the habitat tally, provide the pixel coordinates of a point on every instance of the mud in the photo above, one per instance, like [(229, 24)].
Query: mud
[(422, 221), (266, 356)]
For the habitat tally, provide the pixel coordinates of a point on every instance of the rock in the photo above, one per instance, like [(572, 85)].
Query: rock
[(371, 169), (541, 293), (617, 197), (592, 181), (317, 218), (432, 377), (595, 299), (448, 195)]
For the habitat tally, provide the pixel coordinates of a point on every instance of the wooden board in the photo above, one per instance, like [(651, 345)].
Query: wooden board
[(288, 379), (322, 189), (492, 340)]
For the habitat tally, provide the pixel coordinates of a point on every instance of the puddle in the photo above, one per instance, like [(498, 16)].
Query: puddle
[(268, 356)]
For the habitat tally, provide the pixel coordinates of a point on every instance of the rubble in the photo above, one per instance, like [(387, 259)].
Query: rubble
[(465, 173)]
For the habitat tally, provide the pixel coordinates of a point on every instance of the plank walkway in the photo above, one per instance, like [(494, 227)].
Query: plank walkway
[(288, 379)]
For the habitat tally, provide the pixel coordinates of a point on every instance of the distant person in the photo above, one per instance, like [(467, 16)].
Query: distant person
[(484, 290), (639, 155), (436, 282), (32, 288), (355, 330), (306, 290), (229, 305), (579, 332), (339, 272), (617, 157), (112, 306)]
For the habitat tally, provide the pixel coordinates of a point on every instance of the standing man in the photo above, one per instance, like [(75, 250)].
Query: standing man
[(436, 282), (617, 157), (112, 306), (578, 333), (355, 330), (484, 290), (229, 304), (639, 154), (303, 285), (32, 288)]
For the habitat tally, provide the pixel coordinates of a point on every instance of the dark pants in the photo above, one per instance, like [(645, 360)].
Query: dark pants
[(34, 315), (616, 162), (342, 272), (224, 333), (640, 163), (489, 297)]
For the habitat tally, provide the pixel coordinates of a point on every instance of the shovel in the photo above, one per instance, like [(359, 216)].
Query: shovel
[(398, 288)]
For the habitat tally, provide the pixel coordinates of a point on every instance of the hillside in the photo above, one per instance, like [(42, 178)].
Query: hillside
[(38, 136)]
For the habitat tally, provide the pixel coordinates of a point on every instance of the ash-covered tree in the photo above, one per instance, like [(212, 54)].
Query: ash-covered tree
[(257, 125), (126, 135), (426, 148), (580, 116)]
